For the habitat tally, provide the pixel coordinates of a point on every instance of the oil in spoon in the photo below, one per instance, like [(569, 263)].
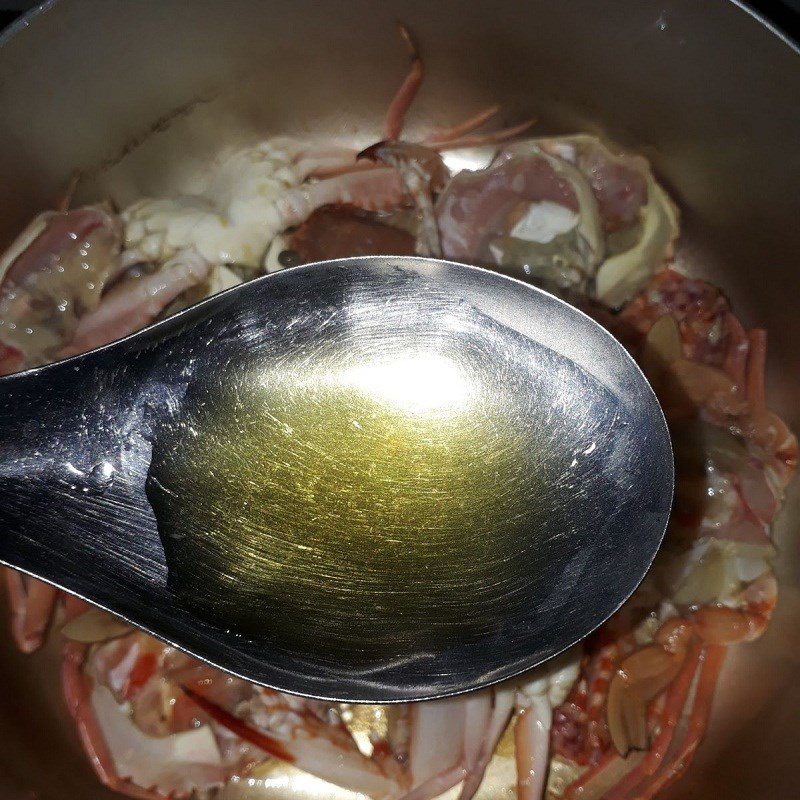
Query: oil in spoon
[(335, 499)]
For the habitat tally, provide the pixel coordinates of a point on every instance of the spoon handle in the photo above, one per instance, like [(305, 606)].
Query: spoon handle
[(60, 446), (48, 418)]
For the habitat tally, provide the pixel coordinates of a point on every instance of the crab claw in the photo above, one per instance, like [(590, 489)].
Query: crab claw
[(373, 152), (424, 174), (425, 161)]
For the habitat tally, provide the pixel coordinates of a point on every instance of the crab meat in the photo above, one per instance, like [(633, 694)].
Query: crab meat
[(177, 763), (564, 211), (339, 231), (234, 217), (135, 303), (618, 181), (144, 736), (50, 277), (478, 206)]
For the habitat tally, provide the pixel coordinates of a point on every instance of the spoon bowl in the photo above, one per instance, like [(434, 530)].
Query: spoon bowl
[(375, 479)]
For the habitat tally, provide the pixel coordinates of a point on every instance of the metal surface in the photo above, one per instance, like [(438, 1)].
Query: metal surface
[(704, 89), (375, 479)]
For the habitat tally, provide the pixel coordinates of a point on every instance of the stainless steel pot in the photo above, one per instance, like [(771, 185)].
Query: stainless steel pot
[(705, 89)]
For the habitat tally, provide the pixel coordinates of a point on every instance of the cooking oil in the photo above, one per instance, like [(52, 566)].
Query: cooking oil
[(362, 503)]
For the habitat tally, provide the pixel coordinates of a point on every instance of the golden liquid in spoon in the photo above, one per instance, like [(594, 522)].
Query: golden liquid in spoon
[(362, 504)]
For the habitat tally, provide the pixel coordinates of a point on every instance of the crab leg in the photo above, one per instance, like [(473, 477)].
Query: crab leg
[(329, 166), (453, 741), (461, 128), (712, 660), (422, 172), (756, 365), (65, 198), (718, 625), (267, 743), (135, 304), (600, 670), (480, 139), (594, 783), (447, 138), (76, 688), (532, 737), (437, 784), (477, 715), (498, 721), (404, 97), (327, 162), (640, 776), (308, 750), (372, 189), (673, 708), (32, 605)]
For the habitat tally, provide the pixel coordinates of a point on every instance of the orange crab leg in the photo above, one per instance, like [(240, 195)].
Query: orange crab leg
[(437, 784), (712, 661), (401, 102), (456, 136), (576, 788), (479, 139), (676, 697), (462, 128), (600, 670), (32, 605)]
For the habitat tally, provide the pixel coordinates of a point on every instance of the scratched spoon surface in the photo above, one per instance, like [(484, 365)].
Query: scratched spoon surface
[(372, 479)]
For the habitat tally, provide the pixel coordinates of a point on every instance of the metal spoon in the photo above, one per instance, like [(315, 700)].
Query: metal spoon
[(374, 479)]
